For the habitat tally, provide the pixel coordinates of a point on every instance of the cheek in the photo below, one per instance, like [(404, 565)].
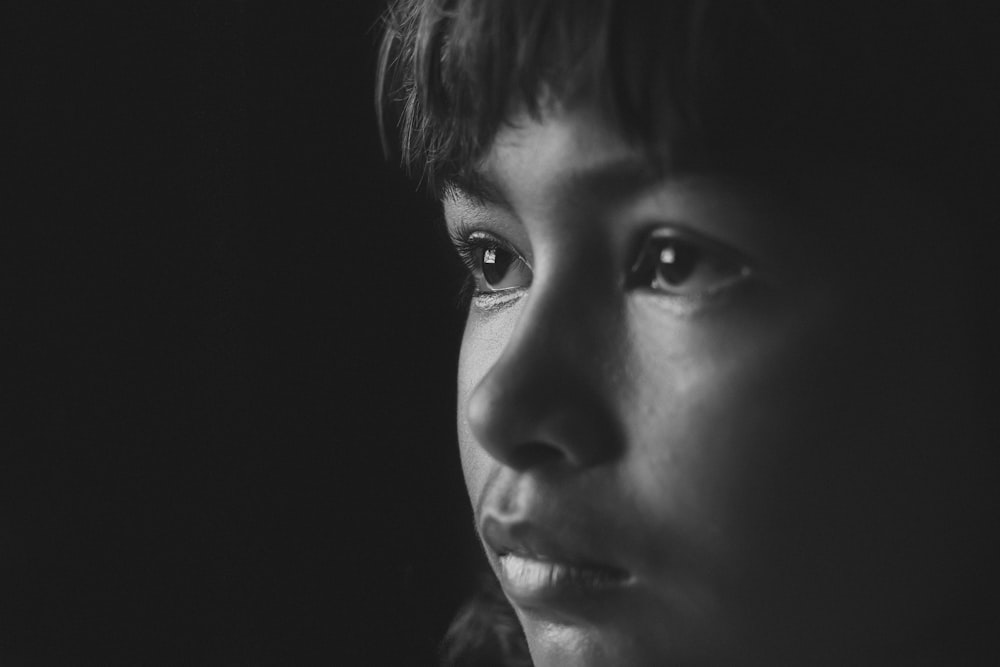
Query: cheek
[(482, 344), (716, 432), (740, 431), (795, 462)]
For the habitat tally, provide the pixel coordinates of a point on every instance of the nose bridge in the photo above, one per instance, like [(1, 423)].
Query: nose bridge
[(549, 396)]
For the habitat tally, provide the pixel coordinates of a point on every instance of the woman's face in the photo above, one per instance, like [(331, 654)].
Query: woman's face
[(704, 422)]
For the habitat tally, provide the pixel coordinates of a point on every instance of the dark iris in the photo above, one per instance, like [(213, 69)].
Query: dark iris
[(674, 261), (666, 262), (496, 263)]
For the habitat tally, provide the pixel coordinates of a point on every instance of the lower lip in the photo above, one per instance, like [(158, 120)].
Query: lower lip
[(531, 582)]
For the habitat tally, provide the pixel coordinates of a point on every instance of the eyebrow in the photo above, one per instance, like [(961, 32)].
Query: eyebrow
[(612, 180)]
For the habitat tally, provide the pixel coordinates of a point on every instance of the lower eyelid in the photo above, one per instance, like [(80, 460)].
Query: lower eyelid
[(692, 305), (498, 300), (678, 306)]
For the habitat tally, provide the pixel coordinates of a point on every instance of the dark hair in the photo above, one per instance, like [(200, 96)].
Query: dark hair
[(904, 84), (485, 632)]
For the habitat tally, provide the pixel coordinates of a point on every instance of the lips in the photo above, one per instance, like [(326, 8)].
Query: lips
[(528, 576), (547, 568)]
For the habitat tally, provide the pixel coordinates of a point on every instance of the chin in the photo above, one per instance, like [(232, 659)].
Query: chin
[(555, 644)]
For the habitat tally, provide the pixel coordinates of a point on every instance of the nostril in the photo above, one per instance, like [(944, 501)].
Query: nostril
[(534, 454)]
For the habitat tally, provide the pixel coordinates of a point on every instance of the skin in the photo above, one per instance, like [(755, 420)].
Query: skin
[(789, 470)]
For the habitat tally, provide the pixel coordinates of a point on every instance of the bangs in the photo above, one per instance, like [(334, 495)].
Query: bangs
[(710, 79), (451, 73)]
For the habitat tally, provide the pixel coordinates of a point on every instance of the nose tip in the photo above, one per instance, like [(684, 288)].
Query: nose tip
[(530, 412)]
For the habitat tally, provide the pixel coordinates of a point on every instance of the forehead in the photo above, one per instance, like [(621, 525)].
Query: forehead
[(565, 151), (574, 155), (570, 175), (576, 148)]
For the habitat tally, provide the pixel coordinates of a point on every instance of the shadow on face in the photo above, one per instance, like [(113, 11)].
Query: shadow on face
[(714, 418)]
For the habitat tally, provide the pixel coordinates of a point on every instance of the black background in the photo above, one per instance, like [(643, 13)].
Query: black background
[(226, 420)]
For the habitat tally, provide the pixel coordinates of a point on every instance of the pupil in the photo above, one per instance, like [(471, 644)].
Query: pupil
[(676, 262), (496, 262)]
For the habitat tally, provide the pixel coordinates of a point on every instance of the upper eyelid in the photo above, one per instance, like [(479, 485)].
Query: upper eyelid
[(684, 233), (460, 232)]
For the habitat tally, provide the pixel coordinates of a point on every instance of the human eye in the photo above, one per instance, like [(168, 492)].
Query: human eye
[(498, 273), (686, 267)]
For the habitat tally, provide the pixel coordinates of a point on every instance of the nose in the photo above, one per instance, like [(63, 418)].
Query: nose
[(549, 398)]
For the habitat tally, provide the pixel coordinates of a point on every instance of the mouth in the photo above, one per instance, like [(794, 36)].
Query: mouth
[(540, 571), (528, 577)]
